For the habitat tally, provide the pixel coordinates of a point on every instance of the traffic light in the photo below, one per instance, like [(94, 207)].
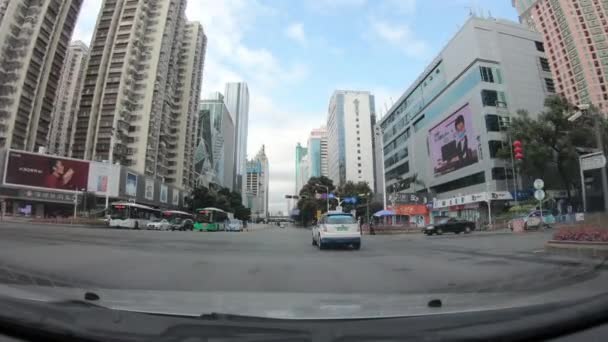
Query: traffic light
[(518, 151)]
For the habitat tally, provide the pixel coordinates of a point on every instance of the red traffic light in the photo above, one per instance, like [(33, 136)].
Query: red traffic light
[(519, 156), (518, 150), (517, 143)]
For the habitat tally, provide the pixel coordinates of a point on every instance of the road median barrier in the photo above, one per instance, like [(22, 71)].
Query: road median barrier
[(581, 240)]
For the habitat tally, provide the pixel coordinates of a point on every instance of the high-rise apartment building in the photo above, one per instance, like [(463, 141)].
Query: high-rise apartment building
[(143, 70), (214, 160), (575, 36), (349, 131), (184, 119), (63, 118), (301, 167), (257, 185), (237, 101), (317, 152), (34, 38)]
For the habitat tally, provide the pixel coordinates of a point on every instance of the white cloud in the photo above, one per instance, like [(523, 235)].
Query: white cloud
[(323, 6), (295, 31), (399, 36)]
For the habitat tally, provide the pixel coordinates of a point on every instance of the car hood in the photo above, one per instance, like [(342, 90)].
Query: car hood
[(290, 305)]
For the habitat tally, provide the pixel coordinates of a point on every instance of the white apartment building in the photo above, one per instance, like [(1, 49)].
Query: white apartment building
[(63, 119), (34, 38), (349, 131), (143, 70), (237, 101)]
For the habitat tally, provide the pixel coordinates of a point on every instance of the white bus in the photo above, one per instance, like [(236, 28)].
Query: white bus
[(132, 215)]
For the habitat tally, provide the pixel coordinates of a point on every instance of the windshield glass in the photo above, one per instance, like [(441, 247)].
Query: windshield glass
[(272, 155)]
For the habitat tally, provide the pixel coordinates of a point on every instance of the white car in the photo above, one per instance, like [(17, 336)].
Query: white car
[(159, 224), (234, 226), (336, 228)]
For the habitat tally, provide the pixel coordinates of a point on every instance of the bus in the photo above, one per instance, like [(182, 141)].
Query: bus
[(132, 215), (178, 219), (210, 219)]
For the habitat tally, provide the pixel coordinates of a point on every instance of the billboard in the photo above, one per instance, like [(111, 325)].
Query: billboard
[(175, 193), (453, 143), (164, 191), (149, 193), (103, 178), (131, 184), (45, 171)]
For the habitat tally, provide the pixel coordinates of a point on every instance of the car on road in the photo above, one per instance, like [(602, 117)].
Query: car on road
[(282, 225), (234, 225), (450, 225), (336, 228), (532, 220), (159, 224), (182, 224)]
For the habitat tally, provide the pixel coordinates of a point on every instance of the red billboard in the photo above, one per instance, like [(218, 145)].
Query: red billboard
[(44, 171)]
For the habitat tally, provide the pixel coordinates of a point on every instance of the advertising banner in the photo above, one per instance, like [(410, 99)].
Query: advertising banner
[(131, 184), (149, 193), (44, 171), (453, 143), (164, 193), (175, 197), (103, 178)]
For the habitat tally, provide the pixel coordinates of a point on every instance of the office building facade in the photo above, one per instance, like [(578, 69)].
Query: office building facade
[(34, 39), (237, 101), (349, 131), (215, 156), (575, 36), (301, 168), (257, 185), (63, 118), (442, 136), (317, 152)]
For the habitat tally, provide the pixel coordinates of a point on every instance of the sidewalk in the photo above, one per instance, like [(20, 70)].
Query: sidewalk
[(8, 220)]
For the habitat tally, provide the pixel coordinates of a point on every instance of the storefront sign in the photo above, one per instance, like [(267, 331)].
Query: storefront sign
[(472, 198), (149, 193), (410, 209), (131, 184), (103, 177), (163, 193), (48, 196), (175, 193)]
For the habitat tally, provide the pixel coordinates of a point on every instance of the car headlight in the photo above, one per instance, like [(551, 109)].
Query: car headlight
[(430, 227)]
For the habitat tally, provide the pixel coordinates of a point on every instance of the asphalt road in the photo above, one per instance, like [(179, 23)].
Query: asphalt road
[(271, 259)]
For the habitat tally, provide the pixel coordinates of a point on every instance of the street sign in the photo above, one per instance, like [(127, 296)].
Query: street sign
[(539, 195), (539, 184), (593, 161), (331, 195)]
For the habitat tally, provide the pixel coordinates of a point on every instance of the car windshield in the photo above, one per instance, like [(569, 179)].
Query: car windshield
[(339, 219), (312, 158)]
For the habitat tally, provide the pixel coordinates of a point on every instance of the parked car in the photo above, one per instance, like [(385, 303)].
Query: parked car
[(159, 224), (234, 225), (182, 224), (532, 220), (450, 225), (337, 228)]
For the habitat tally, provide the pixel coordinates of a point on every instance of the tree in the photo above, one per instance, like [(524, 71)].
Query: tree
[(359, 190), (308, 203), (550, 142)]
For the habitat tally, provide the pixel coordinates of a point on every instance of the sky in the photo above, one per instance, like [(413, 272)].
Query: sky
[(294, 54)]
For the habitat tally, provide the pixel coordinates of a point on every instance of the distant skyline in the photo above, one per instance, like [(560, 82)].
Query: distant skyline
[(316, 47)]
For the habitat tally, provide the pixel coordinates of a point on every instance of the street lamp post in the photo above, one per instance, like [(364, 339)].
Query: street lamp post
[(599, 141)]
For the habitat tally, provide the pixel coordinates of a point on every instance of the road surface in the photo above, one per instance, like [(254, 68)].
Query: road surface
[(271, 259)]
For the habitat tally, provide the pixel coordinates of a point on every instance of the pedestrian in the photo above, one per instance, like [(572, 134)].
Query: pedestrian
[(371, 228)]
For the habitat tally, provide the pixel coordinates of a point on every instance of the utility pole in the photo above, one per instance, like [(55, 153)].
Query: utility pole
[(600, 145)]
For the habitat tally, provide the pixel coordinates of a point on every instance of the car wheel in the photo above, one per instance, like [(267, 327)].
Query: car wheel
[(439, 231), (467, 230), (314, 243), (320, 245), (136, 225)]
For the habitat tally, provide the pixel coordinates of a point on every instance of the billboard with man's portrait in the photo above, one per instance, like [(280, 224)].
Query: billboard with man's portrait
[(453, 143), (45, 171)]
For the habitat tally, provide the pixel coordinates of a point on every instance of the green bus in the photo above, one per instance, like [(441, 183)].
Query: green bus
[(209, 219)]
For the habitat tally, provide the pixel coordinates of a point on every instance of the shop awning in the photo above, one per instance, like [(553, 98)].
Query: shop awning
[(382, 213)]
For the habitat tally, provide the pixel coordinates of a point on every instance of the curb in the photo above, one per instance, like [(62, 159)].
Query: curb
[(577, 248)]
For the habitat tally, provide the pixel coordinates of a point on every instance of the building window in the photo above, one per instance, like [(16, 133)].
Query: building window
[(358, 145), (359, 170), (550, 85), (359, 151), (474, 179), (492, 123), (495, 146), (486, 74), (544, 64), (357, 125), (358, 158), (358, 138), (359, 164), (498, 173), (489, 97), (539, 46)]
